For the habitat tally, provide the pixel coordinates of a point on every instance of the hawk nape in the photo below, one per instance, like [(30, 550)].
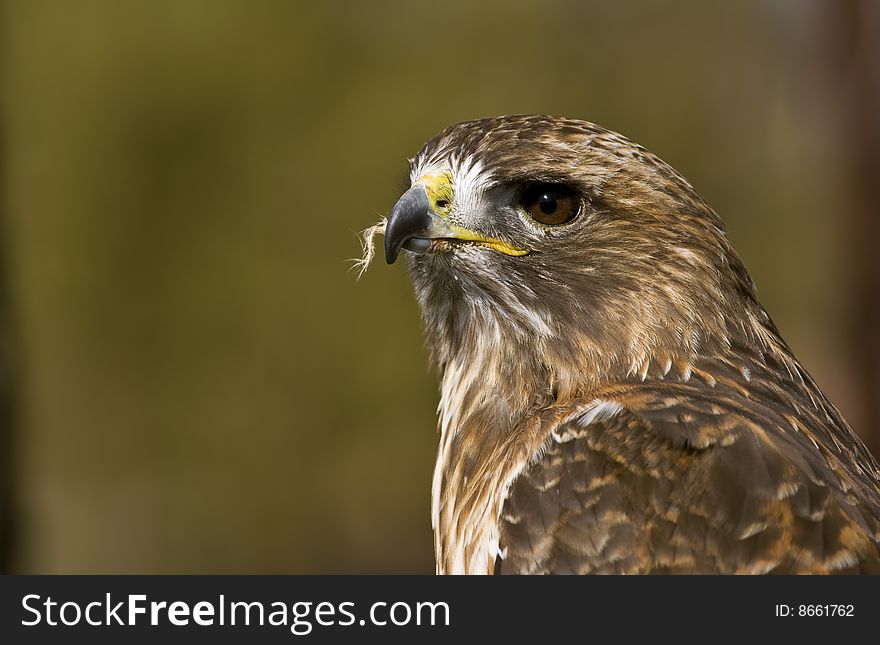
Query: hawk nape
[(614, 398)]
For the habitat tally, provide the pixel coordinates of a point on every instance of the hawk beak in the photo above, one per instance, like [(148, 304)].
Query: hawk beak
[(413, 224)]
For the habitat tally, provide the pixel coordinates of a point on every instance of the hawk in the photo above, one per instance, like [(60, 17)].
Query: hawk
[(614, 398)]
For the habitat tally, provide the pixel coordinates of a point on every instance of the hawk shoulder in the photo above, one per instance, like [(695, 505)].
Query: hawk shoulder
[(679, 478)]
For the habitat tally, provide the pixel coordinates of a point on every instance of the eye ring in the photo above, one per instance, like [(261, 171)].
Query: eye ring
[(550, 204)]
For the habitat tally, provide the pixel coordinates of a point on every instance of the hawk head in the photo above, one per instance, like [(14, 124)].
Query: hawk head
[(555, 249)]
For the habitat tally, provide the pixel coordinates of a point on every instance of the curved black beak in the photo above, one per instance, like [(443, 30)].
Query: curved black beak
[(411, 224)]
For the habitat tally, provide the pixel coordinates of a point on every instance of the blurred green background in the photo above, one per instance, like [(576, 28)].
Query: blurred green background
[(196, 381)]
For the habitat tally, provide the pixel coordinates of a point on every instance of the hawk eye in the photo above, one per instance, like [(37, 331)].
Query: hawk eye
[(550, 204)]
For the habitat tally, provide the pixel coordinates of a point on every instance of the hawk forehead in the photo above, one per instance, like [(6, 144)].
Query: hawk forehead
[(461, 179), (536, 147)]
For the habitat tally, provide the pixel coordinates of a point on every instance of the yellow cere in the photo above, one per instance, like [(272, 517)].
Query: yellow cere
[(440, 191)]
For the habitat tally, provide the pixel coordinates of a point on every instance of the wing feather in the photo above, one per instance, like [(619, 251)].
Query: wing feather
[(683, 480)]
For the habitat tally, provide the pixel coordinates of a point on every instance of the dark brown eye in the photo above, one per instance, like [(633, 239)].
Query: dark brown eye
[(550, 203)]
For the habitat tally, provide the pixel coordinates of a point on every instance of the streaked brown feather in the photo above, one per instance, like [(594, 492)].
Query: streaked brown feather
[(707, 481)]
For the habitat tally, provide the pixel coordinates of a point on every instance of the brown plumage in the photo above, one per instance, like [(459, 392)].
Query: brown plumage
[(614, 399)]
